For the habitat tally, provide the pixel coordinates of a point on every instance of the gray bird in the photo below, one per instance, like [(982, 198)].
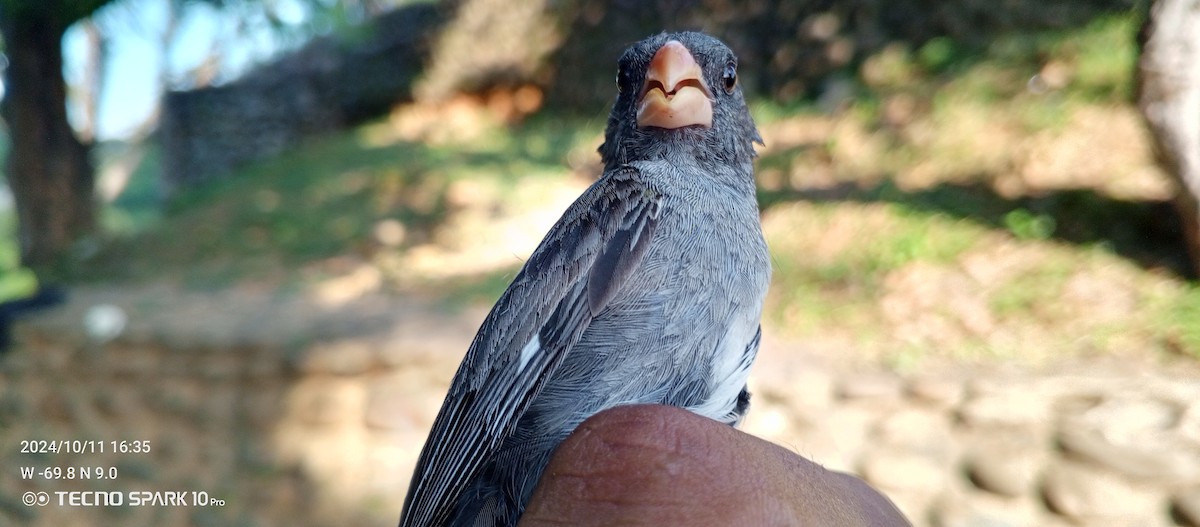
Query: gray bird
[(649, 289)]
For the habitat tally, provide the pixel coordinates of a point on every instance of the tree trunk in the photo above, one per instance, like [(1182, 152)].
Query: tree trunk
[(93, 81), (1169, 97), (48, 168)]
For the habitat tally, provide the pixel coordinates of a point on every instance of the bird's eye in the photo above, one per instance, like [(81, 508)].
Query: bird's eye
[(730, 77), (622, 79)]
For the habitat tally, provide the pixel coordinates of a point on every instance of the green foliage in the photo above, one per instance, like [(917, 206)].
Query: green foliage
[(1028, 226), (15, 281), (1178, 321), (937, 55), (64, 12), (1033, 75), (767, 111)]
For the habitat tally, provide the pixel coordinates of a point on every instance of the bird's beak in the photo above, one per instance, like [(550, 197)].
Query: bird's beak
[(675, 94)]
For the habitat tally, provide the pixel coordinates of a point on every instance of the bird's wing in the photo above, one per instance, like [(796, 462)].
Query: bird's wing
[(571, 277)]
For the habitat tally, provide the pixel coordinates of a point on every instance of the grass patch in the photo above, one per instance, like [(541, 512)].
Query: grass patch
[(904, 285), (947, 109), (324, 199), (1175, 320), (832, 259)]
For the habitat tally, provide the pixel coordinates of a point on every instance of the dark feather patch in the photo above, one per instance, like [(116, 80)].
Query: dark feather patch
[(622, 253)]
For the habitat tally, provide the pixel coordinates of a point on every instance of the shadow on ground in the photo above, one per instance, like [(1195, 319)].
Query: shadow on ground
[(1148, 233)]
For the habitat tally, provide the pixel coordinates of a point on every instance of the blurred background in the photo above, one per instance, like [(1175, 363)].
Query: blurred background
[(260, 235)]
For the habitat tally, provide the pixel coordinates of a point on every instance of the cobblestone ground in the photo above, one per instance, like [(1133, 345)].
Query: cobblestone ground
[(297, 412)]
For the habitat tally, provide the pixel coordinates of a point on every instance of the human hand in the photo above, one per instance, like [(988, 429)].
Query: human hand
[(660, 465)]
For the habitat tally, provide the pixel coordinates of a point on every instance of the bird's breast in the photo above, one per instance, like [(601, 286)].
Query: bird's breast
[(708, 265)]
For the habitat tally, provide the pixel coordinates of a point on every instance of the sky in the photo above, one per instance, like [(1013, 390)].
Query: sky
[(137, 58)]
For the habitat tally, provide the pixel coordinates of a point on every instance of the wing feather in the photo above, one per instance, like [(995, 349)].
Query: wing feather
[(621, 255), (575, 272)]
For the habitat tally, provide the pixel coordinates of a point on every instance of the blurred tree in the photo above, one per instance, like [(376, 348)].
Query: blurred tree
[(48, 168), (519, 37), (92, 83), (1168, 81)]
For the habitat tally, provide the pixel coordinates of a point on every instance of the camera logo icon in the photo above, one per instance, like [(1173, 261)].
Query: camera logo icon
[(35, 498)]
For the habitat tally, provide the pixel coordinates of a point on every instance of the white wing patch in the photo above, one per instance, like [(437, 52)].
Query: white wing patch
[(530, 349), (730, 369)]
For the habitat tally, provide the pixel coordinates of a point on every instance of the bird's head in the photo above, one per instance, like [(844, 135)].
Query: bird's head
[(679, 92)]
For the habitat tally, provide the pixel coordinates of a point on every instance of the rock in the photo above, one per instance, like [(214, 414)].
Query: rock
[(840, 435), (14, 405), (870, 387), (1185, 506), (400, 402), (118, 401), (1017, 407), (963, 515), (343, 357), (16, 363), (789, 372), (1157, 459), (55, 406), (810, 387), (1135, 437), (816, 440), (412, 342), (972, 510), (221, 366), (1087, 495), (392, 456), (1008, 472), (921, 431), (1189, 423), (914, 504), (900, 470), (264, 367), (1132, 415), (320, 402), (142, 364), (405, 400), (260, 404), (1181, 386), (937, 392)]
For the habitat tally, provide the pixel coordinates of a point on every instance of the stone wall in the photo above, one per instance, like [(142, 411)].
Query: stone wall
[(292, 412), (300, 412), (326, 85)]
